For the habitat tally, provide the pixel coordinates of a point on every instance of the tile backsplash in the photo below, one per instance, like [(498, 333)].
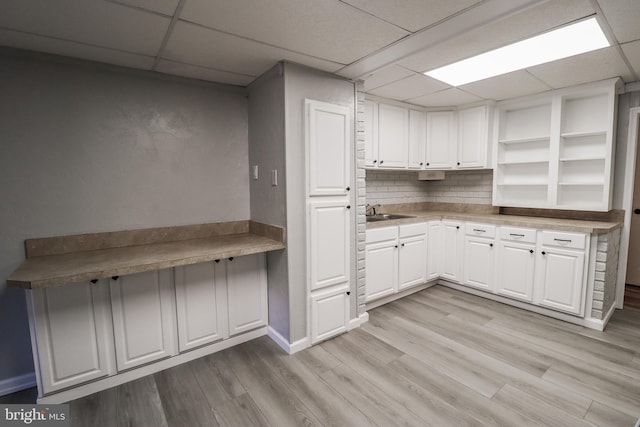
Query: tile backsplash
[(386, 187)]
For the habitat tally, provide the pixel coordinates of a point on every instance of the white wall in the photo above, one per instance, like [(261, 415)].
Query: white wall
[(91, 148)]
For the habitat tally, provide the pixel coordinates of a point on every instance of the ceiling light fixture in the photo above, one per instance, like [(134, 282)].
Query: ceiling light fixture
[(583, 36)]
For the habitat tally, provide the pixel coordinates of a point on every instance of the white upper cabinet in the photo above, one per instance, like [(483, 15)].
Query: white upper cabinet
[(417, 138), (370, 134), (473, 137), (441, 150), (393, 136), (328, 156), (556, 150)]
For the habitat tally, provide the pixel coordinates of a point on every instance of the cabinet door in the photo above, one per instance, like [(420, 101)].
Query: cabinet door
[(73, 332), (328, 144), (201, 304), (247, 293), (434, 251), (412, 262), (560, 279), (472, 137), (440, 150), (393, 137), (451, 247), (329, 313), (417, 138), (328, 242), (370, 134), (478, 263), (382, 270), (515, 270), (143, 318)]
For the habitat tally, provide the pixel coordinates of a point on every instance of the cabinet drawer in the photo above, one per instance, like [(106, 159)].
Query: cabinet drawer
[(483, 230), (524, 235), (564, 240), (382, 234), (410, 230)]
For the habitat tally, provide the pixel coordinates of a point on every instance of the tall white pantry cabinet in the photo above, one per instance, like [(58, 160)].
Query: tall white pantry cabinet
[(328, 200)]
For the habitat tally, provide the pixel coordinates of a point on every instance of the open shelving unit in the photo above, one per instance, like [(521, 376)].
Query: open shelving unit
[(556, 150)]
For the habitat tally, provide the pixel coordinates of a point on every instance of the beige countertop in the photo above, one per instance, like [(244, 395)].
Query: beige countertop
[(76, 266), (560, 224)]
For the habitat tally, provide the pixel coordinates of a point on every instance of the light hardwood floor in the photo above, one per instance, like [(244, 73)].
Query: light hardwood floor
[(436, 358)]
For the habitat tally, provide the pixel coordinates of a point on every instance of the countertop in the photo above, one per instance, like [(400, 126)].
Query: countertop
[(560, 224), (76, 266)]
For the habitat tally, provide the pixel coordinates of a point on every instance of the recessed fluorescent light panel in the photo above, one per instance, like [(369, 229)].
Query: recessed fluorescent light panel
[(581, 37)]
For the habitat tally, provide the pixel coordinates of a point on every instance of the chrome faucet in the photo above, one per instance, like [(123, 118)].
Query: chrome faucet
[(371, 209)]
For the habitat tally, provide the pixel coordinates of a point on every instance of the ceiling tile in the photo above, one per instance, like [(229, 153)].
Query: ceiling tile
[(327, 29), (385, 76), (530, 22), (193, 44), (202, 73), (410, 87), (75, 50), (95, 22), (623, 17), (445, 98), (632, 52), (412, 15), (166, 7), (588, 67), (510, 85)]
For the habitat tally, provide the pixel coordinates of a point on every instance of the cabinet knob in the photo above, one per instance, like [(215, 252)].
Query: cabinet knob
[(636, 211), (530, 251), (396, 246), (421, 163), (348, 293), (458, 163), (217, 261), (114, 277), (348, 206), (402, 245), (457, 227), (375, 161), (544, 253), (490, 245), (381, 161), (427, 163), (230, 258), (348, 188), (94, 281)]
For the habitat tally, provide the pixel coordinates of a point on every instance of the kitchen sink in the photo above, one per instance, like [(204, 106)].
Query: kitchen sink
[(386, 217)]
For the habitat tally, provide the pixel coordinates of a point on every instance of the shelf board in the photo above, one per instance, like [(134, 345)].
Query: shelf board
[(524, 162), (524, 184), (524, 140), (581, 159), (582, 134), (581, 184)]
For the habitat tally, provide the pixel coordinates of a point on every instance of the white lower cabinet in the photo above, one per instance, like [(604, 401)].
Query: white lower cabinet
[(71, 327), (247, 293), (201, 304), (479, 256), (381, 262), (434, 254), (561, 272), (516, 263), (329, 312), (451, 249), (143, 318), (412, 255)]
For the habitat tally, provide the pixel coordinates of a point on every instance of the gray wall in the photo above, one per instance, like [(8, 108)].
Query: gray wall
[(626, 102), (390, 187), (268, 203), (301, 83), (90, 148)]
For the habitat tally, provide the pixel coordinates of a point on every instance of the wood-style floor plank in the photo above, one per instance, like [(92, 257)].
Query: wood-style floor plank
[(439, 357)]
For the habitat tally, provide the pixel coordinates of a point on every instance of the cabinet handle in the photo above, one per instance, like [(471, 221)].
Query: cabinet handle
[(375, 161), (563, 240), (230, 258), (94, 281), (421, 163), (479, 230), (544, 253), (348, 293), (636, 211), (381, 161), (457, 227), (516, 235), (348, 188), (348, 206), (490, 245), (427, 163), (396, 246), (402, 245), (217, 261), (458, 163), (530, 251), (114, 277)]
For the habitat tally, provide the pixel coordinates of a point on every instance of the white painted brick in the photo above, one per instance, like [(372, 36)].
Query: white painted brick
[(597, 305), (598, 296), (599, 275), (601, 266)]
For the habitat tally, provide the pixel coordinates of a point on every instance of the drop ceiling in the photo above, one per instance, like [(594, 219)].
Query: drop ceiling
[(386, 43)]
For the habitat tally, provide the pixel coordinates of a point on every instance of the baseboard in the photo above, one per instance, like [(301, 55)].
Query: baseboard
[(354, 323), (284, 344), (598, 324), (17, 383)]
